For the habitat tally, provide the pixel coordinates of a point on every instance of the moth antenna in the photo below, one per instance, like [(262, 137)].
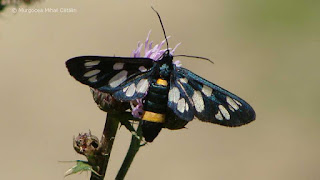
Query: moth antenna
[(198, 57), (164, 32)]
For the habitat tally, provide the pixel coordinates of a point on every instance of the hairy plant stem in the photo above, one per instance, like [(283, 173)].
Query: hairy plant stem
[(107, 139), (133, 149)]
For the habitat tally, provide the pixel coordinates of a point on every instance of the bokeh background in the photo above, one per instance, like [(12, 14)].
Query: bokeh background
[(267, 52)]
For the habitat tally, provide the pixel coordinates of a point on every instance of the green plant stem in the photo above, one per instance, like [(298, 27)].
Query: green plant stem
[(133, 149), (108, 136)]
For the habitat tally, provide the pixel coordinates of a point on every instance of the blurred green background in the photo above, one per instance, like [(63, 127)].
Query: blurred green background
[(267, 52)]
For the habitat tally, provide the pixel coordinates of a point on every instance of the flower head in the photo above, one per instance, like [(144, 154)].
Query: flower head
[(152, 52), (137, 108)]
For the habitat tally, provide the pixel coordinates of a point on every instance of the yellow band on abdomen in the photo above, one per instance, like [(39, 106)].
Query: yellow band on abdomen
[(154, 117), (162, 82)]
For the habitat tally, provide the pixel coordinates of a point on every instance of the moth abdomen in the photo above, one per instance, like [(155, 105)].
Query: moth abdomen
[(155, 107), (157, 97)]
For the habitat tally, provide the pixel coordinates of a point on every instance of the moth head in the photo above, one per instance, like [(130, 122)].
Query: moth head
[(166, 57)]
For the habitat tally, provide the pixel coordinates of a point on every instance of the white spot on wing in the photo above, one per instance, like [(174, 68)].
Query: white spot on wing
[(131, 90), (93, 79), (231, 108), (237, 102), (91, 63), (181, 105), (198, 101), (142, 86), (187, 106), (125, 89), (174, 95), (118, 66), (233, 104), (218, 116), (142, 69), (118, 78), (183, 80), (91, 73), (224, 112), (206, 90)]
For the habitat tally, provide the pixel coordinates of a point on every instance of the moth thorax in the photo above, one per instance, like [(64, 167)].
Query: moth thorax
[(165, 71)]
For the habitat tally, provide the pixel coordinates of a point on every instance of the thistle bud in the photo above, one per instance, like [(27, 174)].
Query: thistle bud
[(86, 144), (108, 103)]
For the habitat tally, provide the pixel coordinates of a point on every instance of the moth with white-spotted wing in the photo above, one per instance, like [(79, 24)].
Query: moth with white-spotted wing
[(169, 93)]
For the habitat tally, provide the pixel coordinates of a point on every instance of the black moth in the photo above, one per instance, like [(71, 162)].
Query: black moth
[(174, 97)]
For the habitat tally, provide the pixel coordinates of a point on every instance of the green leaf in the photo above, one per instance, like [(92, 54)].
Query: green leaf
[(80, 167)]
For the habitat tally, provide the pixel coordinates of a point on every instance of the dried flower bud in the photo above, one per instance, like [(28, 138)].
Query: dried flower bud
[(108, 103), (86, 144)]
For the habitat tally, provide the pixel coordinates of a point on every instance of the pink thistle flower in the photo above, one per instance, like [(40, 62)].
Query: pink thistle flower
[(137, 108), (153, 53)]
